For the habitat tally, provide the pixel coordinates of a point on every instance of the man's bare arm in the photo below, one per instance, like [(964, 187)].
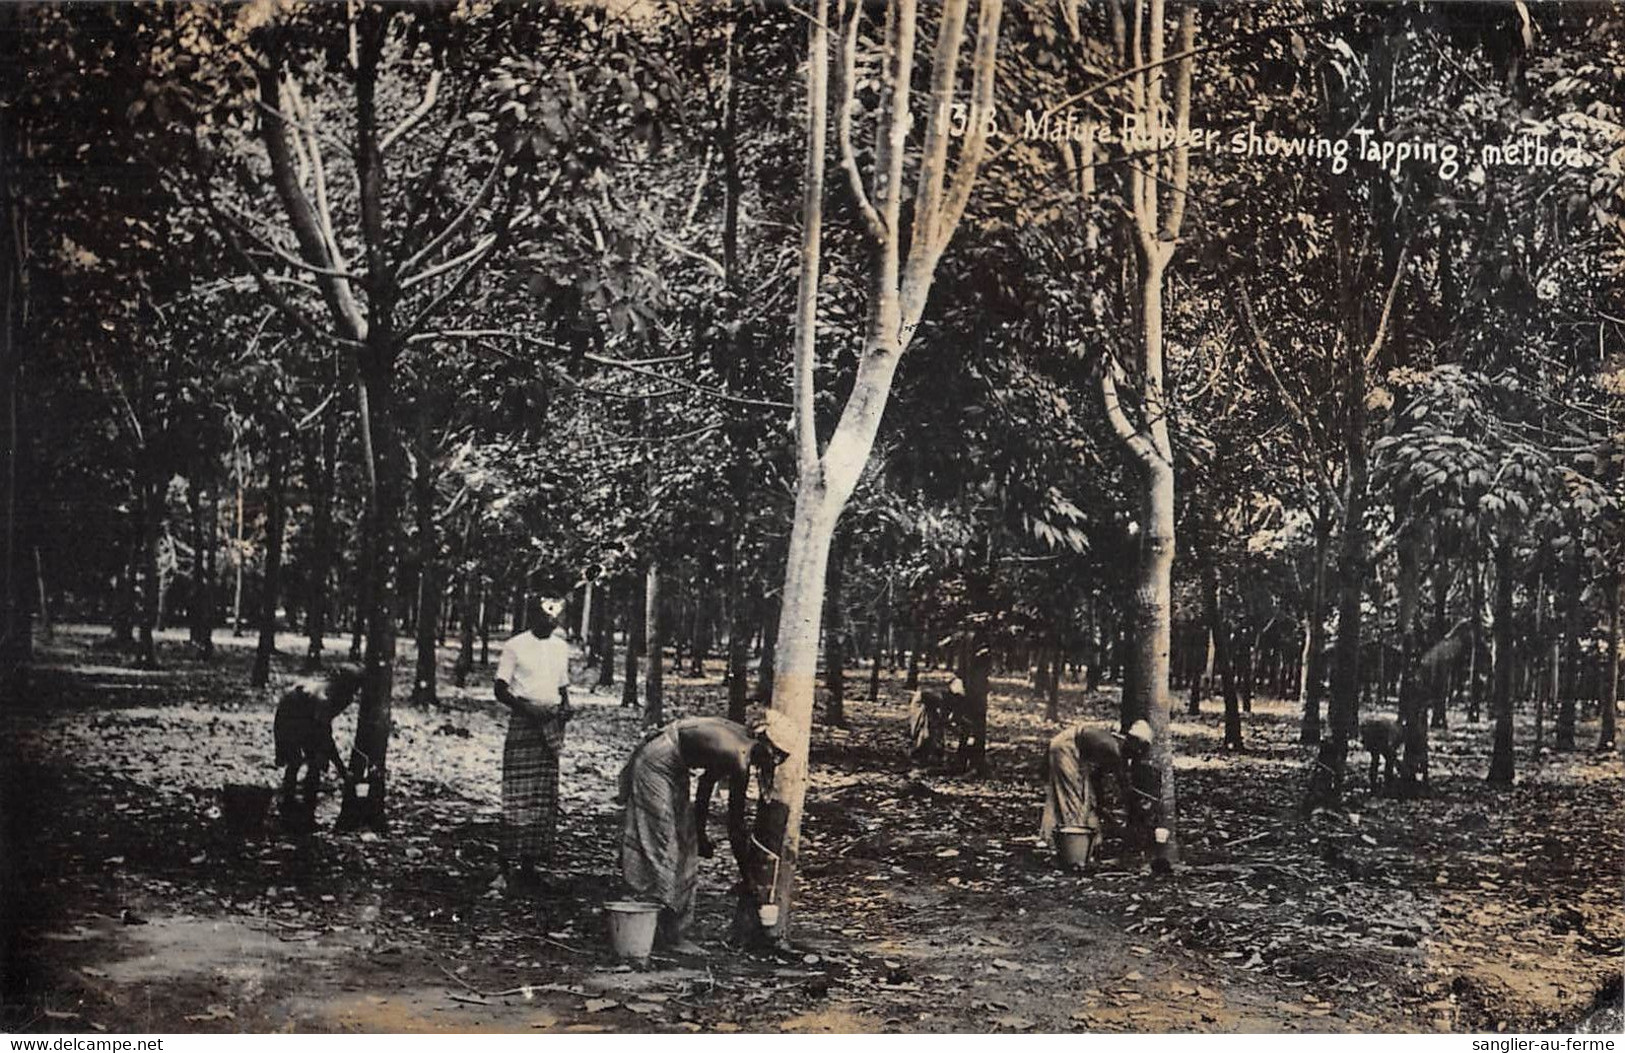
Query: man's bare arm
[(702, 810), (738, 836)]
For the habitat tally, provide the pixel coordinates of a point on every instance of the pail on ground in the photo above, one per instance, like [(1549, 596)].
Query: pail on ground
[(1076, 845), (243, 807), (632, 928)]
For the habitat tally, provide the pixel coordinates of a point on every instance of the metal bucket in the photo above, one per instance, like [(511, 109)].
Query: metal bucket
[(1076, 845), (632, 928)]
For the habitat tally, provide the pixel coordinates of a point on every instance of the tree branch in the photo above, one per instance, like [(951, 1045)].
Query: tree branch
[(306, 228), (682, 250), (1387, 309), (499, 334), (266, 283), (812, 221), (324, 210), (1181, 175), (280, 253), (1111, 374), (457, 221), (984, 71), (417, 322), (430, 93), (629, 366), (852, 14), (481, 246), (923, 245)]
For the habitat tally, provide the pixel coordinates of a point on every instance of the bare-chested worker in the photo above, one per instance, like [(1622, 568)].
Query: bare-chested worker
[(662, 837), (1080, 759)]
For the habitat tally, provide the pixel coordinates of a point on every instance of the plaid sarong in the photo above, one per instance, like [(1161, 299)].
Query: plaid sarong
[(530, 787)]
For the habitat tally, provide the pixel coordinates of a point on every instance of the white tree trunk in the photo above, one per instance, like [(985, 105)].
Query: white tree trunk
[(898, 292)]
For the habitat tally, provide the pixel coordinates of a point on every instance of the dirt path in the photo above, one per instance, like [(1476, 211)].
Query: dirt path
[(926, 904)]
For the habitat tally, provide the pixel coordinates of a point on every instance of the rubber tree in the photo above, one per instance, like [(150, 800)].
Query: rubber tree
[(902, 268), (370, 292), (1610, 687), (1156, 229), (15, 641)]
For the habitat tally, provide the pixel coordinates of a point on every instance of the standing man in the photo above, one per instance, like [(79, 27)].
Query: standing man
[(533, 681)]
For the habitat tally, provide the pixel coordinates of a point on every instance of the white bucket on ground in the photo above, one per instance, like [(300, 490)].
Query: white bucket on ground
[(632, 928), (1075, 845)]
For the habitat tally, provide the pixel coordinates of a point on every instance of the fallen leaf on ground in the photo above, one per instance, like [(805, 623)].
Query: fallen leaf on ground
[(213, 1012)]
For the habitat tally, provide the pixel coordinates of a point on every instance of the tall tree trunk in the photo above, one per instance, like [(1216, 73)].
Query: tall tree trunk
[(700, 641), (585, 635), (733, 186), (467, 604), (835, 636), (1412, 697), (738, 639), (899, 290), (201, 622), (276, 454), (1354, 564), (1610, 687), (363, 585), (486, 615), (913, 681), (882, 635), (654, 700), (432, 570), (1440, 679), (606, 635), (1156, 228), (240, 548), (324, 477), (16, 642), (1571, 609), (1196, 664), (47, 627), (1313, 679), (1223, 653), (1501, 756), (122, 620), (635, 641), (1052, 686), (151, 504), (770, 644), (1475, 677), (1539, 663), (369, 752)]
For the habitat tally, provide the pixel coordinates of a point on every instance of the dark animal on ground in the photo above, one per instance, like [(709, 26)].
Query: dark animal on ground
[(303, 729)]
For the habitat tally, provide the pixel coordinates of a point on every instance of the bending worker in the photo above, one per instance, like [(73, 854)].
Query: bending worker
[(662, 837), (1081, 760)]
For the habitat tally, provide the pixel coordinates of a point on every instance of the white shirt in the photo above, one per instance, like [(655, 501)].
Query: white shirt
[(535, 668)]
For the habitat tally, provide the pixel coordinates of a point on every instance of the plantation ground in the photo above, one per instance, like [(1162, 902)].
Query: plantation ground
[(926, 905)]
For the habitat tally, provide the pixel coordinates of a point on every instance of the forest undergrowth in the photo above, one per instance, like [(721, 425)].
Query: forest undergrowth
[(926, 902)]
